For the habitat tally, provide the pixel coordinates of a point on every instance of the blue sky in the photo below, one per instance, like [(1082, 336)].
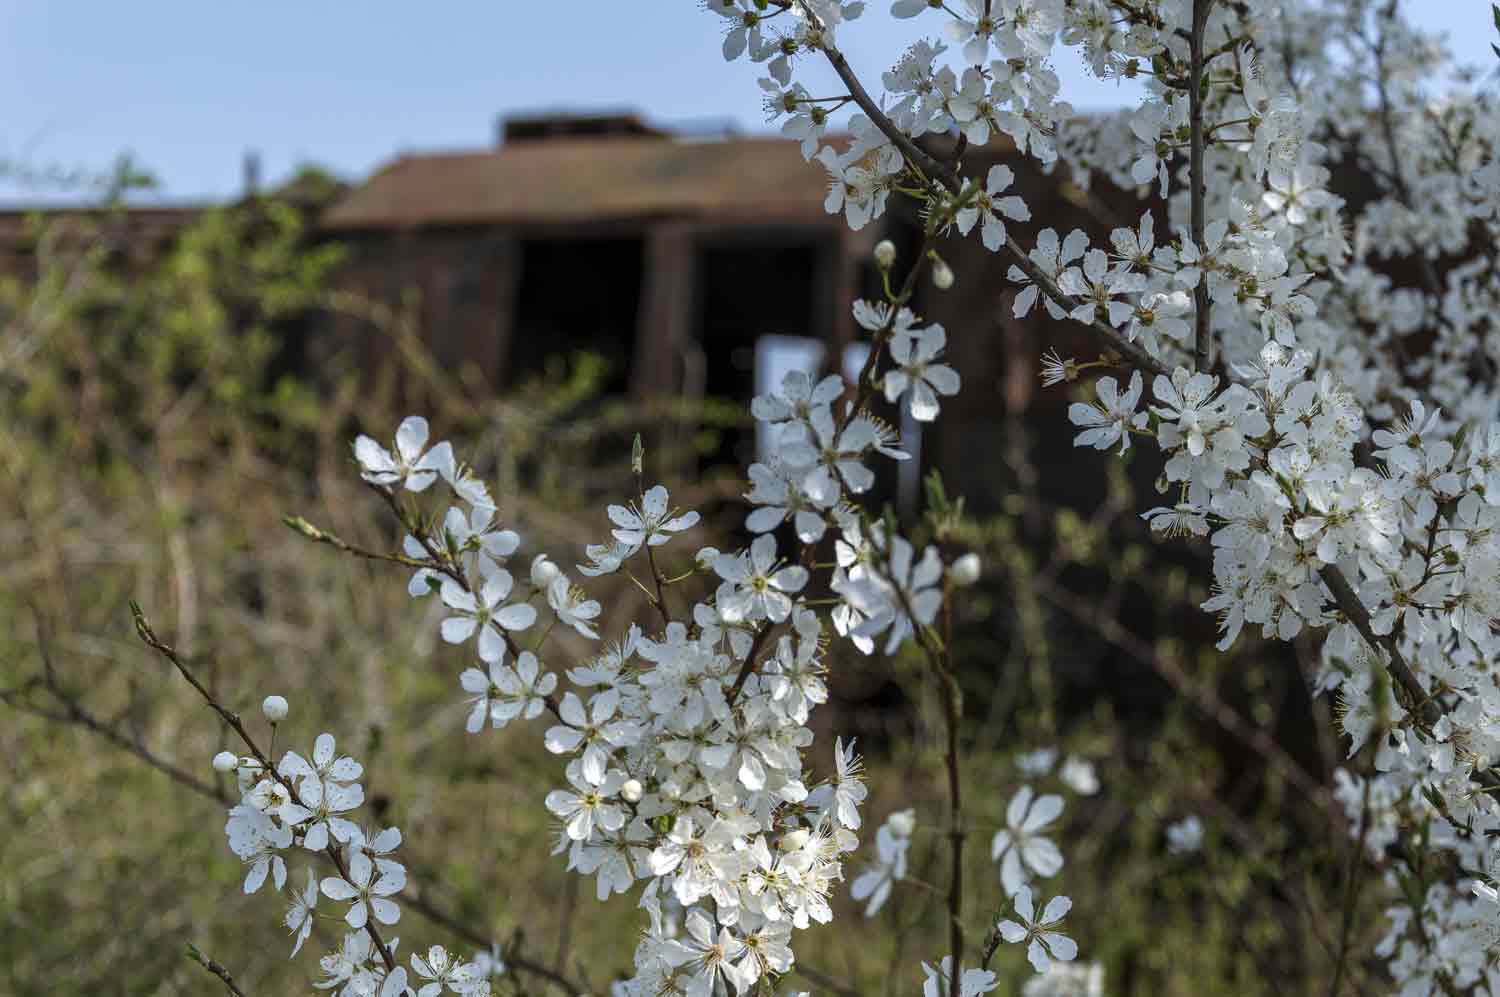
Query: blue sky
[(187, 87)]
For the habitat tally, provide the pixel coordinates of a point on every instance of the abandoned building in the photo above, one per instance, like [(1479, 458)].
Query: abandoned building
[(603, 233), (696, 266)]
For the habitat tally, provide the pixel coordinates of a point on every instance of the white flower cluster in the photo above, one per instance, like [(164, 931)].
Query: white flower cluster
[(1385, 542), (301, 805), (685, 746), (684, 750), (1331, 434)]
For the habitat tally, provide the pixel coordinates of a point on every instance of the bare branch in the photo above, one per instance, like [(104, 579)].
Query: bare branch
[(1344, 596), (1202, 697), (418, 902), (72, 713), (823, 980)]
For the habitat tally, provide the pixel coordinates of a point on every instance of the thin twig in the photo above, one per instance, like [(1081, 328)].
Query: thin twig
[(661, 589), (823, 980), (1202, 697), (317, 535), (940, 661), (74, 714), (232, 720), (213, 967), (1352, 878), (1197, 180), (949, 178), (440, 917), (953, 711)]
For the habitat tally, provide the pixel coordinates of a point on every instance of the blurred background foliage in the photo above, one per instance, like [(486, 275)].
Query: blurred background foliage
[(156, 424)]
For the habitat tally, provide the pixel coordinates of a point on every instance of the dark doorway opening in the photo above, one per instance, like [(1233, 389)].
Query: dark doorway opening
[(748, 292), (575, 297)]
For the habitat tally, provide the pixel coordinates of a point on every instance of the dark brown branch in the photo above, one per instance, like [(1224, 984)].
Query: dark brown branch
[(750, 664), (920, 160), (1418, 700)]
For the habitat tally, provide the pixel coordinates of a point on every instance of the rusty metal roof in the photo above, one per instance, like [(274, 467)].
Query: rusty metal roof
[(574, 180)]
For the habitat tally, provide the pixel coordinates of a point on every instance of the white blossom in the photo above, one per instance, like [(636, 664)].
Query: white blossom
[(1044, 942), (917, 375), (369, 887), (1021, 848), (1112, 419), (409, 466)]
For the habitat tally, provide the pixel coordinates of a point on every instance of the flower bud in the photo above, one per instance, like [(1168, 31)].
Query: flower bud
[(274, 708), (632, 791), (543, 571), (903, 822), (942, 275), (706, 557), (225, 761), (1079, 775), (885, 253), (965, 571)]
